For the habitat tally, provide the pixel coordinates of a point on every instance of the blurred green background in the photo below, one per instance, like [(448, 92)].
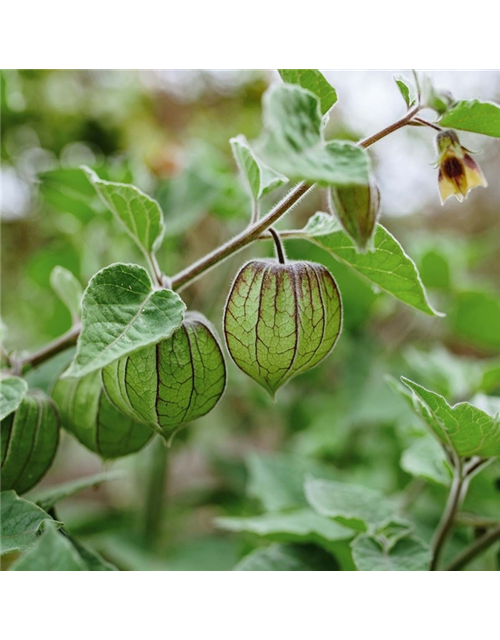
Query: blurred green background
[(168, 132)]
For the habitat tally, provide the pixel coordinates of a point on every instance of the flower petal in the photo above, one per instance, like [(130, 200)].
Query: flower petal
[(473, 173), (447, 188)]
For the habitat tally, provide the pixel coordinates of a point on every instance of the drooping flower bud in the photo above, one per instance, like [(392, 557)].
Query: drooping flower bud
[(281, 319), (29, 438), (171, 383), (88, 414), (458, 172), (357, 208)]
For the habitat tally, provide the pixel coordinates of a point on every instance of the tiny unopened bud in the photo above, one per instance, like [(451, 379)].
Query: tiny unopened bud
[(357, 208)]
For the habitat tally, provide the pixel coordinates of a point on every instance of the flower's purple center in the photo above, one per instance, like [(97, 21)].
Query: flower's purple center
[(453, 168)]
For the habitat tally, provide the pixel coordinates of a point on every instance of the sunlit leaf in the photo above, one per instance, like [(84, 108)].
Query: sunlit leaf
[(259, 178), (303, 525), (277, 480), (140, 214), (12, 392), (475, 116), (387, 267), (120, 314), (294, 145), (20, 522), (425, 459), (315, 82), (355, 506), (463, 427), (370, 553), (407, 89)]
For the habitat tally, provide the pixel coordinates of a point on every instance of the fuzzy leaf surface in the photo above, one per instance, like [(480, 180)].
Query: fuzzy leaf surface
[(294, 145), (370, 553), (387, 266), (315, 82), (475, 116), (120, 314), (12, 392)]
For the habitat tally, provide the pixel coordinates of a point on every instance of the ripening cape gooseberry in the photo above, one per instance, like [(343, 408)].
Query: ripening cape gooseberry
[(88, 414), (281, 319), (171, 383), (29, 439)]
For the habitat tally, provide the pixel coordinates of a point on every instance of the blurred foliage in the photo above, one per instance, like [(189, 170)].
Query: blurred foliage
[(342, 417)]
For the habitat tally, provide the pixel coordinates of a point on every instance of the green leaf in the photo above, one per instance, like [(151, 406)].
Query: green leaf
[(277, 480), (288, 557), (68, 289), (53, 550), (476, 317), (475, 116), (140, 215), (371, 553), (120, 314), (68, 191), (12, 392), (357, 507), (388, 266), (48, 498), (393, 531), (259, 178), (426, 459), (407, 90), (20, 522), (294, 145), (303, 525), (91, 559), (463, 427), (314, 81)]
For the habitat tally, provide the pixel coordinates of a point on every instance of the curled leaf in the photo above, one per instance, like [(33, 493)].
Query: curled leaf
[(357, 209)]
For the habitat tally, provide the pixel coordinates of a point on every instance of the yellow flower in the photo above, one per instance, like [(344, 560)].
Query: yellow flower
[(458, 172)]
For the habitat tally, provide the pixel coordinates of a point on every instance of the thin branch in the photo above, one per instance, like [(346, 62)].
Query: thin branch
[(426, 123), (455, 499), (476, 465), (367, 142), (475, 549), (472, 520), (53, 348), (240, 241)]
